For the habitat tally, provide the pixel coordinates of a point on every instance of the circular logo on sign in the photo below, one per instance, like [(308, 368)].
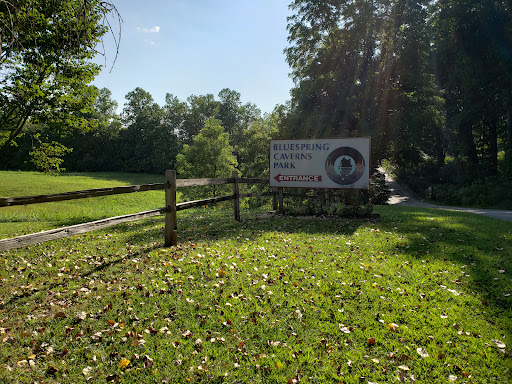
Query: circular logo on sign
[(344, 165)]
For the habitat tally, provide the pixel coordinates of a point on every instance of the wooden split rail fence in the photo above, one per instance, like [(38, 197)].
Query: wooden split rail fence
[(171, 207)]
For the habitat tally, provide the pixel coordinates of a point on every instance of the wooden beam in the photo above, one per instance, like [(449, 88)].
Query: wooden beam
[(202, 182), (171, 222), (274, 198), (97, 192), (281, 200), (198, 203), (25, 200), (64, 232), (246, 180), (170, 210), (236, 196)]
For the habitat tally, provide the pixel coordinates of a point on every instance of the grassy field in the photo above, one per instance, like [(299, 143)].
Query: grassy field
[(418, 296), (18, 220)]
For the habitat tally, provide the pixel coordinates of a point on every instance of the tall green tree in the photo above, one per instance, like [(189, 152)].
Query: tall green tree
[(200, 109), (362, 68), (175, 113), (210, 155), (333, 54), (229, 110), (473, 41), (45, 53), (255, 145), (415, 112), (95, 149), (149, 142)]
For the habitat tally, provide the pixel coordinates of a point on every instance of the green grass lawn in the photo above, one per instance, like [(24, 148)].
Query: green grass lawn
[(418, 296), (19, 220)]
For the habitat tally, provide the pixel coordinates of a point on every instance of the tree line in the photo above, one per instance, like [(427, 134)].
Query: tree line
[(211, 135)]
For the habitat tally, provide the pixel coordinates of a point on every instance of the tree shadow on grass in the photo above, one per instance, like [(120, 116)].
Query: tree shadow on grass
[(203, 225), (481, 244), (28, 296)]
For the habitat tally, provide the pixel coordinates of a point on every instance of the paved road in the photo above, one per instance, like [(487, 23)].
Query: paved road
[(399, 196)]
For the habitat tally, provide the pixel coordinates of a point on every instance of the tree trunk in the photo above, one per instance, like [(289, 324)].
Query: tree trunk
[(493, 147), (468, 147), (508, 147)]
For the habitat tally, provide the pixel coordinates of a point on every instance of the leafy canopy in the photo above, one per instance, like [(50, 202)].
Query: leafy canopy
[(45, 49)]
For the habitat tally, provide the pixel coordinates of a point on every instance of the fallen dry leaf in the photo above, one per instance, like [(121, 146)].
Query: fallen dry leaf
[(187, 334), (22, 363), (393, 326), (422, 352), (8, 339), (114, 378), (402, 377), (124, 363), (87, 371), (51, 370), (60, 315), (498, 343), (81, 316)]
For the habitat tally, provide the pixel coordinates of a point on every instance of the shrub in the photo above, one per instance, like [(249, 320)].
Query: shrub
[(340, 202), (48, 157)]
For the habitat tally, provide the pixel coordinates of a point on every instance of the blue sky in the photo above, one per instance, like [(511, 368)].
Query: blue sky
[(187, 47)]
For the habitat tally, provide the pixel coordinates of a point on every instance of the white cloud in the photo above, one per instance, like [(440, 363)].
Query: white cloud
[(155, 29)]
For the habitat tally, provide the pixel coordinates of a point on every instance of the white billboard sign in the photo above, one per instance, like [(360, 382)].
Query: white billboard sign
[(320, 163)]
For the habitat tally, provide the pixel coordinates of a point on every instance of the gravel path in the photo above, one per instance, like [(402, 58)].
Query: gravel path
[(399, 196)]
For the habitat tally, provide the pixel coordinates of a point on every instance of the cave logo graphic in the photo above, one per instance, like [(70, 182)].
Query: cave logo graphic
[(345, 165)]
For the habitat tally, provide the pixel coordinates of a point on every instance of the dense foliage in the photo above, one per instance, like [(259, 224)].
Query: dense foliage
[(146, 137), (46, 49), (430, 82)]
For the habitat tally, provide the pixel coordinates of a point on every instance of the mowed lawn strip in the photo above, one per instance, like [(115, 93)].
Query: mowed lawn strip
[(20, 220), (419, 295)]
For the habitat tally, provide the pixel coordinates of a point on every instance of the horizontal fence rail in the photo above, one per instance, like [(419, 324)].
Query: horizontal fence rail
[(25, 200), (200, 203), (202, 182), (170, 187), (97, 192), (64, 232)]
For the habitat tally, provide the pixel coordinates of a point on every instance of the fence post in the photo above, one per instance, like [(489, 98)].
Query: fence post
[(236, 200), (171, 224), (281, 204), (274, 199)]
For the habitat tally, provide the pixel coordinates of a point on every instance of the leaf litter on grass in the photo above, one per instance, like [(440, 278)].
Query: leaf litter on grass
[(329, 301)]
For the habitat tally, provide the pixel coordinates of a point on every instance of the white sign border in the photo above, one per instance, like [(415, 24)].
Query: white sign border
[(364, 146)]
